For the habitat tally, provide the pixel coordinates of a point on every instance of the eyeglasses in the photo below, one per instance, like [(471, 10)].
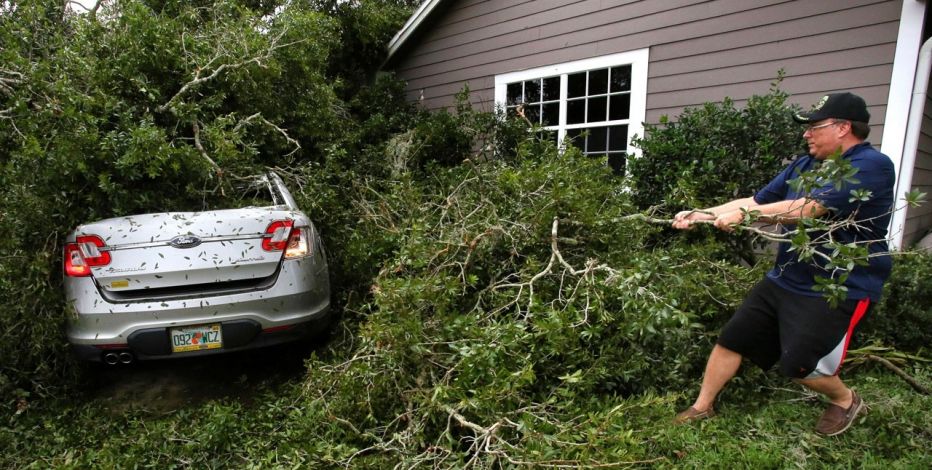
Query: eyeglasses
[(812, 128)]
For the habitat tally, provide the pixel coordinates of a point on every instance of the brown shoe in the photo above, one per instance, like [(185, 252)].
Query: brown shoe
[(836, 419), (691, 414)]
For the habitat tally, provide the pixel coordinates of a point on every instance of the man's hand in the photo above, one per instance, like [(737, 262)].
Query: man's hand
[(686, 219), (727, 221)]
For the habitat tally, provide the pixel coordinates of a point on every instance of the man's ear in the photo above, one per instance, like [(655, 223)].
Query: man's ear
[(844, 128)]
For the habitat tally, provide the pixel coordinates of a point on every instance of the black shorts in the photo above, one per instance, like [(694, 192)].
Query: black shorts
[(805, 334)]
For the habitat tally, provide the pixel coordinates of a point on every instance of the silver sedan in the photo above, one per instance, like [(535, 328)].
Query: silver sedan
[(178, 284)]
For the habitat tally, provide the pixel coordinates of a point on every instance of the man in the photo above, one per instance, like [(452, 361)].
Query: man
[(784, 319)]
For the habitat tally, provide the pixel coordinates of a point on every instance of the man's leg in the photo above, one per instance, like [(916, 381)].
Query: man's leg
[(832, 387), (814, 336), (844, 408), (752, 330), (722, 365)]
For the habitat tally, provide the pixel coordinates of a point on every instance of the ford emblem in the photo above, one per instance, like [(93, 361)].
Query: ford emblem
[(185, 241)]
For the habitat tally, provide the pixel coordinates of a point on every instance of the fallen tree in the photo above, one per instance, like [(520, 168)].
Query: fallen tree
[(516, 291)]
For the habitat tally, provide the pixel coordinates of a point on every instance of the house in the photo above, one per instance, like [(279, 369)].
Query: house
[(608, 66)]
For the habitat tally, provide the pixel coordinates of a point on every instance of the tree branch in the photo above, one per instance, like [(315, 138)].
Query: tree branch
[(200, 79), (8, 78), (200, 148), (485, 438), (283, 132), (5, 114), (556, 257), (903, 375), (91, 11)]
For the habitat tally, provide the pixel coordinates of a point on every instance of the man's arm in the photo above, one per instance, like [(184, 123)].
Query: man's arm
[(784, 212), (727, 215), (684, 220)]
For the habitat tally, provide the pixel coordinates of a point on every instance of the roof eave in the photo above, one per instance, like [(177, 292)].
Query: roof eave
[(413, 23)]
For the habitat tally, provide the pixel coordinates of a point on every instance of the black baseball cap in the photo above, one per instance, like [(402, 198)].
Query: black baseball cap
[(847, 106)]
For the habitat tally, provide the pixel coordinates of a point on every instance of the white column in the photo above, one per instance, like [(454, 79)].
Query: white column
[(899, 101)]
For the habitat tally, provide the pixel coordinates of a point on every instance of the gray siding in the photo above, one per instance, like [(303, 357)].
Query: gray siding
[(699, 50), (920, 218)]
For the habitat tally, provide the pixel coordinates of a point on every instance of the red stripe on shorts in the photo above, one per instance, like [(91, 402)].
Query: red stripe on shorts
[(859, 312)]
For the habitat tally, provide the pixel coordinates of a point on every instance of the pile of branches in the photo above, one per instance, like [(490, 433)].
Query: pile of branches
[(521, 306)]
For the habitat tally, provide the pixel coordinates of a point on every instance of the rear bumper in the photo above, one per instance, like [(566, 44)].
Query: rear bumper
[(297, 303), (239, 335)]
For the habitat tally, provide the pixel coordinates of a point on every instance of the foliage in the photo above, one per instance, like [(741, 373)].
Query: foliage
[(365, 28), (904, 316), (474, 318), (448, 138)]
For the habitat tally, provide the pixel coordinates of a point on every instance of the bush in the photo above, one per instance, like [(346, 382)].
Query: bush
[(447, 138), (903, 318), (714, 153)]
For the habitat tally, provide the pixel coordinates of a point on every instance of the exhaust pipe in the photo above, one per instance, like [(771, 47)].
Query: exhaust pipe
[(111, 358), (126, 357)]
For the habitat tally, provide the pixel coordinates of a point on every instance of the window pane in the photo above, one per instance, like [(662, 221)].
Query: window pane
[(572, 138), (514, 93), (576, 112), (619, 107), (618, 138), (511, 111), (616, 161), (532, 91), (598, 82), (576, 85), (551, 88), (596, 140), (597, 111), (621, 78), (532, 112), (551, 115)]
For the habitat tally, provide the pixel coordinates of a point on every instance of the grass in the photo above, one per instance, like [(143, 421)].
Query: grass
[(763, 422), (772, 428)]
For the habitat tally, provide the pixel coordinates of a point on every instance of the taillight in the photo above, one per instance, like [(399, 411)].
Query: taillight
[(283, 235), (298, 243), (277, 235), (84, 254)]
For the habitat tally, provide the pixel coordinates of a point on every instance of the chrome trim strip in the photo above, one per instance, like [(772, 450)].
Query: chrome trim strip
[(161, 243)]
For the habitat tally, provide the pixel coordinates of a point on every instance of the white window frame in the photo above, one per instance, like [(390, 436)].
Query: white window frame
[(638, 59)]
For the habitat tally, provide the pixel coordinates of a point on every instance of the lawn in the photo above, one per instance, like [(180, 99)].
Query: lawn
[(763, 422)]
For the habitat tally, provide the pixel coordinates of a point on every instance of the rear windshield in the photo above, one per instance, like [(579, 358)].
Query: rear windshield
[(254, 191)]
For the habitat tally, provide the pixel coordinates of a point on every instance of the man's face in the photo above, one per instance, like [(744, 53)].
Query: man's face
[(824, 137)]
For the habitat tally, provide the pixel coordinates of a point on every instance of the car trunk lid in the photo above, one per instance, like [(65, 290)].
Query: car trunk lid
[(180, 249)]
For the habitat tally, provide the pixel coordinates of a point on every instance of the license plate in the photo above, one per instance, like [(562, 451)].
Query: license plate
[(196, 338)]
